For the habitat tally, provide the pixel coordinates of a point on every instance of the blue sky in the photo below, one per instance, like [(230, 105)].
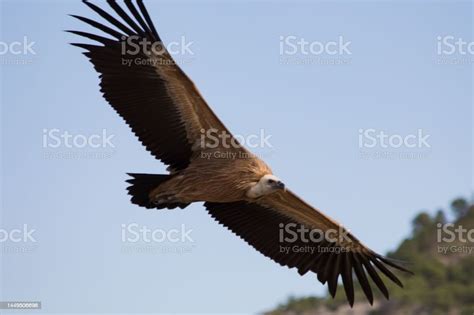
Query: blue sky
[(392, 82)]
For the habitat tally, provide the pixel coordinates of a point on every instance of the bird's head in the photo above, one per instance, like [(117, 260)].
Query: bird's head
[(266, 185), (271, 182)]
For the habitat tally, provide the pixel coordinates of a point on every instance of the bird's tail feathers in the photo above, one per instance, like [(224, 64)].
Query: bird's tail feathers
[(143, 184)]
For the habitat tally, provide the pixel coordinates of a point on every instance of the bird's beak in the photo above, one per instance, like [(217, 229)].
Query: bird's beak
[(281, 186)]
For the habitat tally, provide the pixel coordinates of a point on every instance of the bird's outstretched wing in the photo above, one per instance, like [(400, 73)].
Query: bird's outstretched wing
[(292, 233), (146, 87)]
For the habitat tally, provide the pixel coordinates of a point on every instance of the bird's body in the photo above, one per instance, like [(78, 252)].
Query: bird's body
[(214, 178), (169, 116)]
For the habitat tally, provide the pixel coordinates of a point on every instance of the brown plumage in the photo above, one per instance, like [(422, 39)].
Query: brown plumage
[(169, 116)]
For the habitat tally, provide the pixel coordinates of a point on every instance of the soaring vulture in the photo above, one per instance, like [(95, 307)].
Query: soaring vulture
[(168, 115)]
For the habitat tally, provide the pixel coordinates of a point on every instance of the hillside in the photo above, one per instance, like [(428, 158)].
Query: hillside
[(442, 259)]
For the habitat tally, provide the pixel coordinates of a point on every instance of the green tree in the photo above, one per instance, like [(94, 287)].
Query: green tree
[(460, 207)]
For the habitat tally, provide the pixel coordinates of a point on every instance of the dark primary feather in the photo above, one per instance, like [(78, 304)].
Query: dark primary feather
[(373, 274), (361, 276), (148, 19), (260, 227), (126, 18), (100, 39), (346, 275), (99, 26), (109, 18), (333, 269), (139, 18)]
